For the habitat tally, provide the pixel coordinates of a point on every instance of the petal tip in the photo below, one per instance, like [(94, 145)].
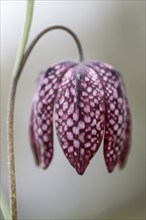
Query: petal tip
[(80, 169), (110, 170)]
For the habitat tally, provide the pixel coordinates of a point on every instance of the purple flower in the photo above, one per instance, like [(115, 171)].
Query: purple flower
[(90, 104)]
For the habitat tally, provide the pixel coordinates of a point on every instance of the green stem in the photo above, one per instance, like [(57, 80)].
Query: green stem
[(23, 42), (10, 116), (4, 206)]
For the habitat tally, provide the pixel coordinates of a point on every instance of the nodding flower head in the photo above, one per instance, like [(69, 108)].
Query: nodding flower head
[(90, 105)]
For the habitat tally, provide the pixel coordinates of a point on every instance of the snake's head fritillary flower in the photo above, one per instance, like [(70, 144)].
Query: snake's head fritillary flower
[(90, 105)]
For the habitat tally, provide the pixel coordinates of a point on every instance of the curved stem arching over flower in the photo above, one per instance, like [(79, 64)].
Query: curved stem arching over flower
[(43, 32)]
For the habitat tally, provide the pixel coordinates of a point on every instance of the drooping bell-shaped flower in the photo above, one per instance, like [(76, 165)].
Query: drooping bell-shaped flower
[(90, 104)]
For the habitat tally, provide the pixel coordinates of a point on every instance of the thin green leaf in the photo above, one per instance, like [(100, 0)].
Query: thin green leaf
[(4, 206)]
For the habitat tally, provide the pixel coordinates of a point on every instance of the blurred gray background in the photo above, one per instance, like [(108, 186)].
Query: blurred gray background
[(112, 31)]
